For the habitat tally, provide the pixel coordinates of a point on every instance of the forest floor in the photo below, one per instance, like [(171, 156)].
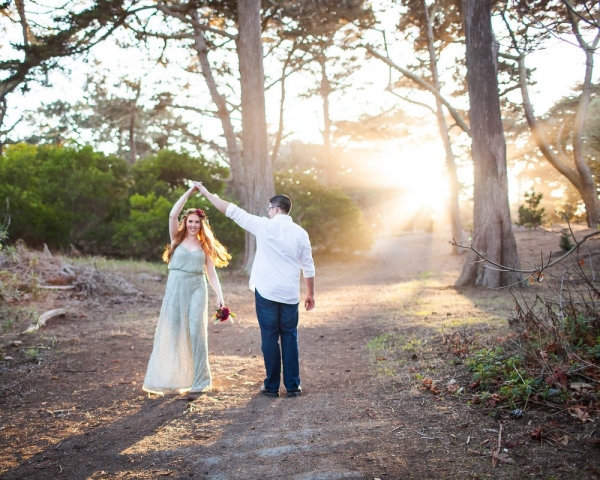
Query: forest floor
[(71, 404)]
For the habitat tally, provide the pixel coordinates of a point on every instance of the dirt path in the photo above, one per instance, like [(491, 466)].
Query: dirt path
[(81, 414)]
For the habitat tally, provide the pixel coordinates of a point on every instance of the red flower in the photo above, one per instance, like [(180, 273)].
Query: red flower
[(200, 213), (223, 314)]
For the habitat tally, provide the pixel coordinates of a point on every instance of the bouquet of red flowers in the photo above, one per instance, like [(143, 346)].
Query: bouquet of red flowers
[(223, 314)]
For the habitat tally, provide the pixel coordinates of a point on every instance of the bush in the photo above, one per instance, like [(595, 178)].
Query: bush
[(61, 196), (158, 182), (166, 171), (504, 377)]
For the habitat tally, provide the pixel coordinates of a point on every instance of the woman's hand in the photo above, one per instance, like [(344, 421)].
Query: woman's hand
[(220, 302), (201, 188)]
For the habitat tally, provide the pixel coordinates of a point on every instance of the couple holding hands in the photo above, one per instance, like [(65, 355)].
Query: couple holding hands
[(179, 360)]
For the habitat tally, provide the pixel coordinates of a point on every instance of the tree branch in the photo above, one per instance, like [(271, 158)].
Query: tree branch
[(423, 84), (538, 135), (537, 271), (194, 22), (409, 100)]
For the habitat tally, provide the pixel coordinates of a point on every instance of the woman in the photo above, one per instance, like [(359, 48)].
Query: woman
[(179, 360)]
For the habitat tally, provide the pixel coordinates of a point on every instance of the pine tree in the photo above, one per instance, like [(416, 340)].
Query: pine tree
[(530, 215), (565, 242)]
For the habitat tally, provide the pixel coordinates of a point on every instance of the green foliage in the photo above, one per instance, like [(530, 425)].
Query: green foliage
[(565, 242), (61, 196), (505, 375), (331, 218), (530, 215), (167, 170), (158, 182), (32, 354), (144, 233)]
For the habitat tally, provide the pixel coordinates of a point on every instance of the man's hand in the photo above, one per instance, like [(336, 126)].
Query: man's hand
[(309, 302)]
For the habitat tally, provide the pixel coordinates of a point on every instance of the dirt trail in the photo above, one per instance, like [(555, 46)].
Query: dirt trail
[(81, 413)]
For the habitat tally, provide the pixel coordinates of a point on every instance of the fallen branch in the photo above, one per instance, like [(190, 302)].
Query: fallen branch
[(496, 455), (44, 317), (497, 451)]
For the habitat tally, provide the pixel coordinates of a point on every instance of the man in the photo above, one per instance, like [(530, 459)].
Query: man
[(282, 250)]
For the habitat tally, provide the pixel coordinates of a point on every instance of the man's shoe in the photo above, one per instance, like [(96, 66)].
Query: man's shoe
[(293, 393), (268, 393)]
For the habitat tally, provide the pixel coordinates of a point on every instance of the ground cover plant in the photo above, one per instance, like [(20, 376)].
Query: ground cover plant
[(553, 352)]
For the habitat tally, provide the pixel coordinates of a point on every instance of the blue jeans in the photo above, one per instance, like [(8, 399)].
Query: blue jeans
[(279, 320)]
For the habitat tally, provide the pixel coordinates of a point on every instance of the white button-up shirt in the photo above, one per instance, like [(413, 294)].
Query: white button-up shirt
[(282, 251)]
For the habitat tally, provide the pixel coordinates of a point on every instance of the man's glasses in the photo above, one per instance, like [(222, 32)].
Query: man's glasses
[(270, 207)]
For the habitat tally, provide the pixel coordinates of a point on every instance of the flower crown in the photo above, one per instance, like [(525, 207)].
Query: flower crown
[(197, 211)]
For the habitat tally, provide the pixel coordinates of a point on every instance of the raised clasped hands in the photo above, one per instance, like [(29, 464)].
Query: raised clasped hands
[(201, 188)]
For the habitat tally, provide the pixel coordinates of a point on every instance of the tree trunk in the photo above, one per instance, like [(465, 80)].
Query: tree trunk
[(279, 136), (325, 91), (493, 228), (236, 164), (589, 191), (443, 128), (132, 120), (2, 115), (258, 169), (580, 176)]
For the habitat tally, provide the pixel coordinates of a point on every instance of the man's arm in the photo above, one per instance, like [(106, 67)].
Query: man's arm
[(309, 301), (220, 204)]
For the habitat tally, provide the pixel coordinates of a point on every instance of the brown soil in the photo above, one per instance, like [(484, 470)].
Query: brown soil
[(77, 410)]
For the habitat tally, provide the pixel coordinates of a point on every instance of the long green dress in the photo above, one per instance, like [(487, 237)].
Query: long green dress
[(179, 359)]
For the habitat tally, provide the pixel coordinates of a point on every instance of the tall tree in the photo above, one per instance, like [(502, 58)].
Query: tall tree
[(494, 235), (257, 165), (325, 32), (114, 118), (527, 26), (61, 32), (202, 26), (432, 27)]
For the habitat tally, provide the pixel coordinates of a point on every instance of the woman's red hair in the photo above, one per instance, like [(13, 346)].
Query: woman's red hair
[(211, 246)]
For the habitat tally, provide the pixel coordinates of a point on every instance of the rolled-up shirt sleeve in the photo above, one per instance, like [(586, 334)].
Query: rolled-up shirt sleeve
[(307, 263)]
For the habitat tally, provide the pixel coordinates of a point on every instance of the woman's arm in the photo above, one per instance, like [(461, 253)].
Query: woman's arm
[(176, 210), (219, 203), (213, 279)]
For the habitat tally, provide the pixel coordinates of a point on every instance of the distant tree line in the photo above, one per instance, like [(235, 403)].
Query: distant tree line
[(102, 205)]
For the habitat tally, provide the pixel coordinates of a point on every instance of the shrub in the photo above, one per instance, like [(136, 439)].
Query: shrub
[(61, 196)]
